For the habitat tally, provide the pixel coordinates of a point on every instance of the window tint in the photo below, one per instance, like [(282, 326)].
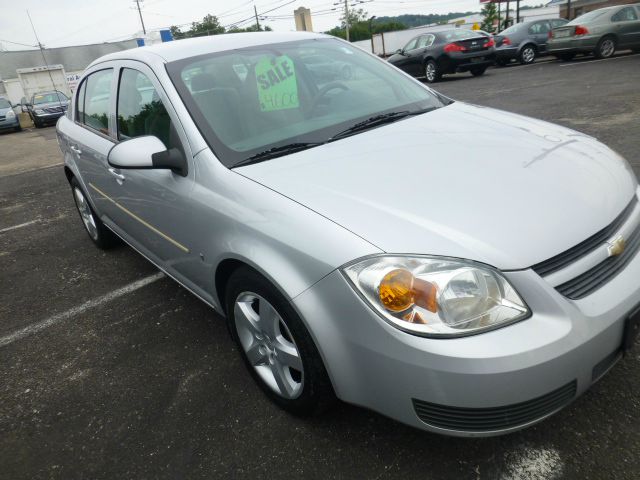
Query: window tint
[(538, 28), (96, 100), (625, 15), (425, 41), (557, 22), (140, 110), (411, 45)]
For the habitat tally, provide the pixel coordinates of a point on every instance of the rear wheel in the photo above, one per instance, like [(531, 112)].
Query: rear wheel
[(98, 232), (527, 55), (432, 72), (606, 47), (476, 72), (275, 344)]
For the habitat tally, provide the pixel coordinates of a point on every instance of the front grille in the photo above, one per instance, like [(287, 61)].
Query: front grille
[(496, 418), (568, 257), (54, 109), (592, 279)]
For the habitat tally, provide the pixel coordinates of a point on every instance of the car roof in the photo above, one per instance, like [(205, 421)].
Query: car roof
[(191, 47)]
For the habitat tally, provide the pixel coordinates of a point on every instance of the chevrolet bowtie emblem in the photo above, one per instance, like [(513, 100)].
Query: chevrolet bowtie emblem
[(616, 246)]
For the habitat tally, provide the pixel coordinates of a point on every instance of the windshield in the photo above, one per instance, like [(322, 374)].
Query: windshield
[(4, 103), (587, 17), (254, 99), (49, 97)]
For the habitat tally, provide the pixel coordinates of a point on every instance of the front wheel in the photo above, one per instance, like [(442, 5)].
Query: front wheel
[(527, 55), (606, 48), (275, 344), (432, 72), (476, 72)]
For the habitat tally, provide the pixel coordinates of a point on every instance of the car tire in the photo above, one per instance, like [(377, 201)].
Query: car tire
[(477, 72), (36, 123), (432, 72), (99, 234), (275, 345), (527, 55), (565, 57), (606, 47)]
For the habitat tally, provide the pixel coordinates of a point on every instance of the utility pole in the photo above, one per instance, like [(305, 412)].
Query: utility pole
[(46, 65), (144, 30), (346, 17), (255, 10), (569, 10)]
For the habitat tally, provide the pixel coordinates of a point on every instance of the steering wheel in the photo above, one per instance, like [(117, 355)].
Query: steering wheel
[(323, 91)]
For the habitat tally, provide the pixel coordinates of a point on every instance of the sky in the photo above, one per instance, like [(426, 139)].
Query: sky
[(62, 23)]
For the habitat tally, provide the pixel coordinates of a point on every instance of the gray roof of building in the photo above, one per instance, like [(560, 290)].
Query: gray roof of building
[(72, 58)]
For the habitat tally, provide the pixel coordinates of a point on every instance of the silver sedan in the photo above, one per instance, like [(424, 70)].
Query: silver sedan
[(463, 270)]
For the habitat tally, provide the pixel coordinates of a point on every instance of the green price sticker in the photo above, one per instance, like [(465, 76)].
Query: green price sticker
[(277, 85)]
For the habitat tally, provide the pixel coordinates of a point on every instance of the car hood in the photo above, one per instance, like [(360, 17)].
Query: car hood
[(461, 181)]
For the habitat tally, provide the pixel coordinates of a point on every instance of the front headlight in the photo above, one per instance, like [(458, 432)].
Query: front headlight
[(39, 111), (10, 114), (436, 297)]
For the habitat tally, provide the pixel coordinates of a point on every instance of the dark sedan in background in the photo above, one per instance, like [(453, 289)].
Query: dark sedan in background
[(525, 41), (432, 55), (600, 32), (46, 107)]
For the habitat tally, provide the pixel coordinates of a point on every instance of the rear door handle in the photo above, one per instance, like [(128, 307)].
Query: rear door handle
[(75, 150), (118, 176)]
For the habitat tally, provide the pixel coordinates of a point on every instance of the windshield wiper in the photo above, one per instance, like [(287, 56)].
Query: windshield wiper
[(277, 152), (377, 120)]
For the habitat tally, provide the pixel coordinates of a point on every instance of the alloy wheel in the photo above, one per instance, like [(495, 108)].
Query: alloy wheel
[(607, 48), (528, 55), (269, 345), (430, 72), (85, 213)]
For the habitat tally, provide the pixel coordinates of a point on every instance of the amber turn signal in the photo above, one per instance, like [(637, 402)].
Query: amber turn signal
[(400, 290)]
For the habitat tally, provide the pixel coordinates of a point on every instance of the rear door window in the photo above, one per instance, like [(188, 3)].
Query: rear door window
[(627, 14), (94, 110)]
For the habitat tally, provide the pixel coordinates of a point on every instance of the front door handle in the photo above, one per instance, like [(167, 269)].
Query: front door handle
[(75, 150), (118, 176)]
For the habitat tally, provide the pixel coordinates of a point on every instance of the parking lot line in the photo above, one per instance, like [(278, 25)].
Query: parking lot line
[(600, 60), (15, 227), (32, 170), (60, 317)]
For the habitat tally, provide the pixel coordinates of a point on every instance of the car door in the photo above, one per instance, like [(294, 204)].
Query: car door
[(157, 218), (539, 33), (626, 27), (416, 56), (405, 62), (92, 137)]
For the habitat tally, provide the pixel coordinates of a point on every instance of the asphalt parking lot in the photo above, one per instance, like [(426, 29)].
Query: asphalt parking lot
[(110, 370)]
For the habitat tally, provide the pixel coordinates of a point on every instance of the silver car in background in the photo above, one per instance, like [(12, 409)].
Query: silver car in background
[(361, 236), (525, 41)]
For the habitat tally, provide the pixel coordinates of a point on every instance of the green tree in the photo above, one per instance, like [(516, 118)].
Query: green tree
[(210, 25), (489, 17)]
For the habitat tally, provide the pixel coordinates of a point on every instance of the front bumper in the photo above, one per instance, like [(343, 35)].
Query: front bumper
[(582, 44), (565, 346), (47, 117)]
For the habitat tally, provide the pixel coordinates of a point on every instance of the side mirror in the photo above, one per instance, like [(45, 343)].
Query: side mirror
[(400, 51), (147, 152)]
